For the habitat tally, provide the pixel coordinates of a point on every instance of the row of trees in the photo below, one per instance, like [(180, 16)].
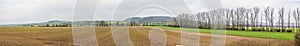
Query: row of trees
[(253, 19), (50, 25), (96, 23)]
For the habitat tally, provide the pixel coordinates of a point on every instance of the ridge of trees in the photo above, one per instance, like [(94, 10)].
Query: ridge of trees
[(248, 19)]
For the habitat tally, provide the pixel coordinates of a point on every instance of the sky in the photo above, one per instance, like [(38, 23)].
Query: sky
[(32, 11)]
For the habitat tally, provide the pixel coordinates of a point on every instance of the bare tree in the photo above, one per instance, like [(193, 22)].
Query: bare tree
[(266, 12), (289, 19), (296, 17), (261, 19), (228, 12), (239, 16), (247, 18), (269, 17), (281, 16), (298, 14), (234, 24), (208, 19), (232, 18), (203, 19), (254, 15), (242, 17)]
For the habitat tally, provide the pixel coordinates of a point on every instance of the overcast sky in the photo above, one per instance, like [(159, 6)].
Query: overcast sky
[(31, 11)]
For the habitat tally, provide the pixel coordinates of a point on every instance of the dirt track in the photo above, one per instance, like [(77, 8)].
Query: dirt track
[(139, 36)]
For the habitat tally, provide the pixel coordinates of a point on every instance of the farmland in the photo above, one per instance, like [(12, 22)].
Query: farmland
[(259, 34), (62, 36)]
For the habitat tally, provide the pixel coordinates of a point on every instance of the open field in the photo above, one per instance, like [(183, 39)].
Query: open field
[(62, 36), (258, 34)]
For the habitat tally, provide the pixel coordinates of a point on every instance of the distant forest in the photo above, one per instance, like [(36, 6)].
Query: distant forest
[(247, 19), (255, 19)]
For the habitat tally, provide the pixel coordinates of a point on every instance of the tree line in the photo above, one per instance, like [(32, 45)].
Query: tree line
[(95, 24), (247, 19)]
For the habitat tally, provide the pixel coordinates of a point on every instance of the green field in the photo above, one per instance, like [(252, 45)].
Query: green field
[(273, 35)]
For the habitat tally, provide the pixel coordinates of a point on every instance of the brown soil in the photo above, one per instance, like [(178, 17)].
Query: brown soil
[(58, 36)]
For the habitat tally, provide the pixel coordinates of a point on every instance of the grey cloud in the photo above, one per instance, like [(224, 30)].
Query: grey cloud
[(28, 11)]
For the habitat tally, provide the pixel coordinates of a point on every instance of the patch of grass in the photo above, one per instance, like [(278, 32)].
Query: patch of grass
[(273, 35)]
